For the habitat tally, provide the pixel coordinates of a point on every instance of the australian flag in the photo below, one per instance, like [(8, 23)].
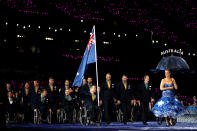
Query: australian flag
[(89, 57)]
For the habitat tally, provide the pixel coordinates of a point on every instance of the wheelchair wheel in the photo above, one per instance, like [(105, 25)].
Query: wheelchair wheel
[(64, 116), (7, 118), (132, 116), (83, 116), (37, 117), (49, 117), (174, 121), (74, 116), (78, 116), (59, 117), (20, 120), (119, 115), (100, 116)]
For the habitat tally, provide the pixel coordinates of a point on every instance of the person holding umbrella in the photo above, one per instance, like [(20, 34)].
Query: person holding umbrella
[(168, 106)]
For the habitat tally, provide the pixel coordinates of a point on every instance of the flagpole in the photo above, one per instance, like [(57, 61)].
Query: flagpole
[(96, 67)]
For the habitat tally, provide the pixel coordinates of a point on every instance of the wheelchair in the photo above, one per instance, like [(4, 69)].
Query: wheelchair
[(60, 116), (132, 118), (100, 115), (14, 118), (38, 117), (119, 115), (135, 111), (63, 118), (85, 116), (75, 116)]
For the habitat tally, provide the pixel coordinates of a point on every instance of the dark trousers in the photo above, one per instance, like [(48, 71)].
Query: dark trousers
[(27, 114), (54, 115), (145, 110), (126, 109), (108, 110)]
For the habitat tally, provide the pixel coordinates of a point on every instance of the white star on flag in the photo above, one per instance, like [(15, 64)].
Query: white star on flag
[(77, 73), (160, 103)]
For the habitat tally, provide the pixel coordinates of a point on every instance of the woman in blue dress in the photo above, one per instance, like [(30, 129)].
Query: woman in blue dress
[(168, 106)]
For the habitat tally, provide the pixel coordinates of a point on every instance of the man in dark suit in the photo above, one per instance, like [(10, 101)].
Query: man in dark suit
[(91, 102), (82, 92), (88, 85), (89, 81), (145, 95), (84, 88), (53, 95), (26, 102), (108, 97), (11, 106), (35, 92), (67, 105), (9, 87), (42, 104), (125, 95), (66, 87), (3, 98)]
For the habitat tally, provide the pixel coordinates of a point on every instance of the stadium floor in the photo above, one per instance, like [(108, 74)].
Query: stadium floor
[(115, 126)]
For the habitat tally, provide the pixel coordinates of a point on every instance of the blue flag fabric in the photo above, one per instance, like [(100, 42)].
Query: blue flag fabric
[(89, 57)]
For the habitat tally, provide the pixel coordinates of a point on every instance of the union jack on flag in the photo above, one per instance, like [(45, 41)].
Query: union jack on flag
[(92, 47), (92, 39)]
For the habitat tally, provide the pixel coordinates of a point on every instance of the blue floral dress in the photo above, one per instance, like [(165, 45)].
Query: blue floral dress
[(168, 105)]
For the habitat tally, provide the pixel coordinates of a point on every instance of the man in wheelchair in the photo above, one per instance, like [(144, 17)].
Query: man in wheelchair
[(91, 104), (66, 107), (11, 108), (76, 104), (42, 109)]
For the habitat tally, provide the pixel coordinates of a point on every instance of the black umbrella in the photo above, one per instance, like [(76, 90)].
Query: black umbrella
[(174, 63)]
